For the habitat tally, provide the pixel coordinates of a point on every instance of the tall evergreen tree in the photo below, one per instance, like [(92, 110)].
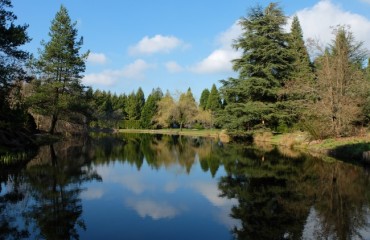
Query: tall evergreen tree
[(131, 107), (298, 89), (203, 99), (150, 108), (301, 65), (263, 67), (12, 58), (140, 98), (214, 99), (58, 89)]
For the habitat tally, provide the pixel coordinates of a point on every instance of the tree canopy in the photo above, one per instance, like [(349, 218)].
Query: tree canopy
[(252, 98), (58, 91)]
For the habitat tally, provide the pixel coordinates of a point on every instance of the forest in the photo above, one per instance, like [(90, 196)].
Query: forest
[(279, 88)]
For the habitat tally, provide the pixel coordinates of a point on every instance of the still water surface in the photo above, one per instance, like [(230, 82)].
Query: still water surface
[(166, 187)]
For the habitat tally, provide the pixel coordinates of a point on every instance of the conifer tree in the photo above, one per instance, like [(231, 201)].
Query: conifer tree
[(58, 91), (132, 107), (203, 99), (298, 89), (12, 58), (140, 98), (214, 99), (150, 108), (263, 67), (301, 65)]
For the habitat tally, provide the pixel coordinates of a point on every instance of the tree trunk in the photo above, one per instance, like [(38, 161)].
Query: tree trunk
[(54, 120)]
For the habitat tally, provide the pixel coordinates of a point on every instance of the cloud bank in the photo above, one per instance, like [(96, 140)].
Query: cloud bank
[(134, 71), (97, 58), (220, 59), (318, 21), (152, 209), (156, 44)]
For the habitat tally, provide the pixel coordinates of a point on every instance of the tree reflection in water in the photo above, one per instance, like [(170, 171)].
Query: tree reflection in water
[(46, 194), (280, 194)]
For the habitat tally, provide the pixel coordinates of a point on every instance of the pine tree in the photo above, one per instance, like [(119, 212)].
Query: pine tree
[(58, 91), (132, 107), (263, 67), (298, 90), (214, 100), (203, 99), (140, 98), (301, 65), (150, 108), (12, 58)]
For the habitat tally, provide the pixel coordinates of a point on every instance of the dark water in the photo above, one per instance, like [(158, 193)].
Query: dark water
[(162, 187)]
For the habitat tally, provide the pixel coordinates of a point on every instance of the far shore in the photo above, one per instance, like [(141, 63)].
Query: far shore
[(213, 133), (352, 148)]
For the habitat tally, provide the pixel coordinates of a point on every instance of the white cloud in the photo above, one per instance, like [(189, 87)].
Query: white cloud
[(156, 44), (97, 58), (226, 38), (135, 70), (211, 192), (153, 209), (173, 67), (366, 1), (220, 59), (317, 22)]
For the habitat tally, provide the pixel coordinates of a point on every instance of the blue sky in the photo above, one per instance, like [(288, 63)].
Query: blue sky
[(174, 44)]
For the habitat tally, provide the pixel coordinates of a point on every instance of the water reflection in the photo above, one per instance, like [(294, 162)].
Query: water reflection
[(80, 188), (47, 203), (296, 198)]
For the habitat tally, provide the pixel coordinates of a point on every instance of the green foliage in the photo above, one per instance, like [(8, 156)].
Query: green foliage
[(182, 112), (214, 100), (108, 109), (204, 98), (150, 109), (134, 105), (130, 124), (12, 59), (263, 67), (186, 109), (57, 92)]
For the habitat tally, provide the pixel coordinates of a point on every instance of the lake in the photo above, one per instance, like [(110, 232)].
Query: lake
[(138, 186)]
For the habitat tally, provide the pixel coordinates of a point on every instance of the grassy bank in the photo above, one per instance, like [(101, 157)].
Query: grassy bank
[(213, 133), (348, 149)]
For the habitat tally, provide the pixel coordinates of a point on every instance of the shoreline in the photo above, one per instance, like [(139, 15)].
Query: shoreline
[(347, 148), (353, 149), (214, 133)]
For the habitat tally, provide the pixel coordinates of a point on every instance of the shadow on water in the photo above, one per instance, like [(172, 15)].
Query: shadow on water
[(354, 153), (278, 193)]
